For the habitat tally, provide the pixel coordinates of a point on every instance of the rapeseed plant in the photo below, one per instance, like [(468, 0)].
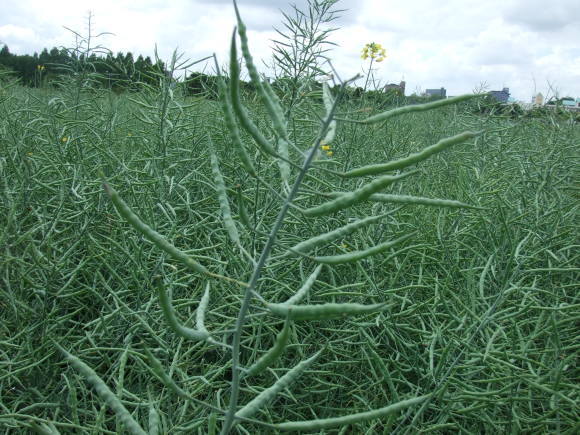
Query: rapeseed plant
[(277, 149)]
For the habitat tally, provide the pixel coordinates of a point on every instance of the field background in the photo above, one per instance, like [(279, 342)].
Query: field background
[(481, 301)]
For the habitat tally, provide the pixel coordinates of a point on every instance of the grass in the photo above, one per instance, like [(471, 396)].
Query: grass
[(482, 305)]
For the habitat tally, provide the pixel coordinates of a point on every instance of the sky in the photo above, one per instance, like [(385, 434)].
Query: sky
[(528, 46)]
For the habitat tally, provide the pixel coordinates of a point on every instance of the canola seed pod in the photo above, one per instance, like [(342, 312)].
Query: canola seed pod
[(273, 353), (200, 313), (171, 318), (104, 393), (274, 112), (419, 200), (233, 128), (412, 158), (323, 239), (350, 198), (239, 110), (305, 288), (223, 200), (418, 108), (309, 426), (323, 311), (152, 235), (281, 384), (351, 257)]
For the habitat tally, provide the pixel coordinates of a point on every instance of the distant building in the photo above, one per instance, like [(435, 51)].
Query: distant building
[(568, 102), (400, 87), (436, 93), (539, 100), (501, 96)]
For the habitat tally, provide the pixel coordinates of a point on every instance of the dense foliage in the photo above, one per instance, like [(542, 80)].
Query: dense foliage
[(441, 315)]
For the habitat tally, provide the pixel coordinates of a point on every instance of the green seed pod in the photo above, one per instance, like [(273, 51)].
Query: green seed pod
[(328, 101), (43, 428), (277, 109), (324, 423), (158, 371), (242, 211), (269, 394), (351, 257), (233, 128), (412, 158), (305, 288), (323, 311), (274, 353), (223, 200), (419, 108), (283, 160), (212, 424), (383, 369), (263, 144), (154, 421), (121, 381), (200, 313), (171, 318), (152, 235), (274, 112), (323, 239), (358, 195), (105, 393), (419, 200)]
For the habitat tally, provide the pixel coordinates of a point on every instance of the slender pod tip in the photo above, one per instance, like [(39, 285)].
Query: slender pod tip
[(237, 11), (108, 189)]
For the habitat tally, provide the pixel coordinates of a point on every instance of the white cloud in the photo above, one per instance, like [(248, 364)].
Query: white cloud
[(543, 16), (19, 35)]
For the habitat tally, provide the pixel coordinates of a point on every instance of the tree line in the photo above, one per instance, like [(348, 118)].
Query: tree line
[(121, 72), (117, 72)]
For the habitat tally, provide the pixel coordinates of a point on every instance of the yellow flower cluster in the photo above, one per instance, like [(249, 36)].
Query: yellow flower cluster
[(374, 51), (40, 67), (64, 139), (326, 148)]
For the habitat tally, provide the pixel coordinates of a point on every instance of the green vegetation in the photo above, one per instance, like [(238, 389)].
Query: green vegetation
[(178, 264)]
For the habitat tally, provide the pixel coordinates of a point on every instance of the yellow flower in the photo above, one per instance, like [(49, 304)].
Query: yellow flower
[(365, 53), (329, 153), (326, 147), (374, 51), (29, 154), (64, 139)]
